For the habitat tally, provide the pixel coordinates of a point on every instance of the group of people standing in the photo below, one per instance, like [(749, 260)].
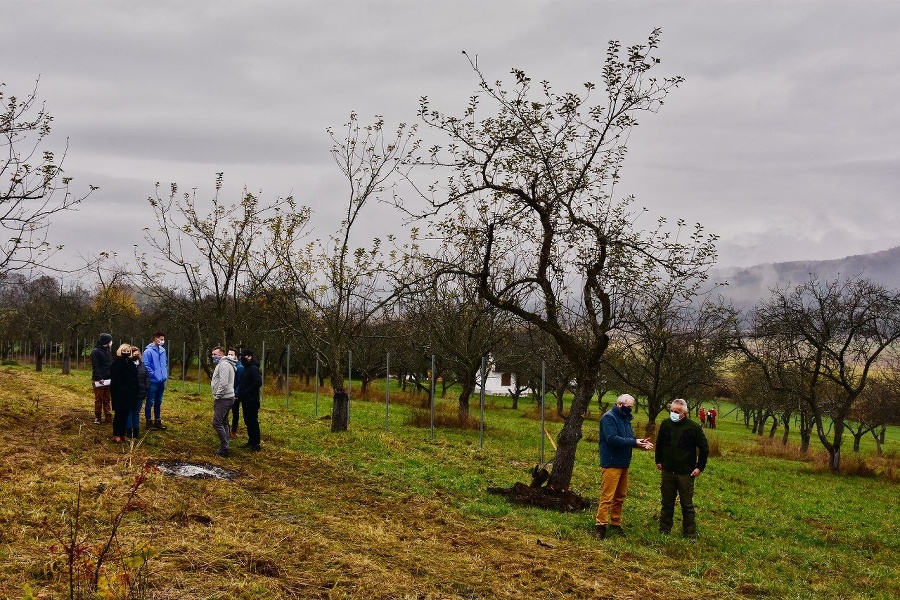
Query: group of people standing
[(681, 452), (122, 383), (235, 383), (708, 417)]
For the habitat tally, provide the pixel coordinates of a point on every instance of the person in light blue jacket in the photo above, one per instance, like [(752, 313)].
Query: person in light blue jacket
[(157, 362)]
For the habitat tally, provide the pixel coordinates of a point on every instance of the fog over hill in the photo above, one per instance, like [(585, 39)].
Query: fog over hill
[(748, 285)]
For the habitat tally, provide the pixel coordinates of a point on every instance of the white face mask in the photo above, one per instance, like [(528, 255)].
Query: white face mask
[(161, 343), (675, 416)]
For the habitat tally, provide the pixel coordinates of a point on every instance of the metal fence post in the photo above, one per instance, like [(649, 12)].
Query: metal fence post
[(483, 383), (432, 397), (543, 379), (387, 390)]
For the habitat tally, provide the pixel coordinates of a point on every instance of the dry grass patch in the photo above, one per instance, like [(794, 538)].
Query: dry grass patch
[(292, 525)]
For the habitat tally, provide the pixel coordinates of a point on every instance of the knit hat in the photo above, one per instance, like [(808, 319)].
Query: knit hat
[(105, 338)]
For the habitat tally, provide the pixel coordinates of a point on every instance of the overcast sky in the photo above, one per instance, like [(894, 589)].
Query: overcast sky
[(784, 138)]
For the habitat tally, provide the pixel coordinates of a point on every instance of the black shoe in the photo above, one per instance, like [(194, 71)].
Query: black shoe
[(665, 532), (600, 532), (157, 424), (255, 448), (617, 529), (223, 452)]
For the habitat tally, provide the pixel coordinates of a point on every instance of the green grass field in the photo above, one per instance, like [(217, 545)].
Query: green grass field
[(397, 514)]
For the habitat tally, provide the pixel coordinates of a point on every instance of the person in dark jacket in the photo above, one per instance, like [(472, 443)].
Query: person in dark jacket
[(124, 389), (681, 453), (616, 443), (100, 361), (251, 382), (133, 426), (236, 407)]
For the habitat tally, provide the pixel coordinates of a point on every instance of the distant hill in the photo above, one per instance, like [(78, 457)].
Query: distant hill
[(748, 285)]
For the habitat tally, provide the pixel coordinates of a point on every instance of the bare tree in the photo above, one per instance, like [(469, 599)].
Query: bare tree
[(32, 185), (828, 336), (341, 284), (214, 266), (672, 347), (462, 329), (529, 205)]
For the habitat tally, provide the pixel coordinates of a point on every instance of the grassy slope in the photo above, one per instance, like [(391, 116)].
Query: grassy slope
[(385, 515)]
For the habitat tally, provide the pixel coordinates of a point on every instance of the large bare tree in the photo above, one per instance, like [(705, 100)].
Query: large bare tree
[(529, 203)]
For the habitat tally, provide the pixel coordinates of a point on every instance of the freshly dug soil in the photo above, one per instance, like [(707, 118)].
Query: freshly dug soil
[(542, 497)]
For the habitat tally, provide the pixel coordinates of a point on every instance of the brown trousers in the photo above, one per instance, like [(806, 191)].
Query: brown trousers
[(612, 496), (102, 403)]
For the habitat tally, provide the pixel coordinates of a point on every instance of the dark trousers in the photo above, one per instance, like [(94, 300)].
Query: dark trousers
[(682, 486), (251, 420), (235, 413), (119, 422)]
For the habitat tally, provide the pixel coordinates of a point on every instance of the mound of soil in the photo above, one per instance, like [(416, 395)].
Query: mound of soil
[(542, 497)]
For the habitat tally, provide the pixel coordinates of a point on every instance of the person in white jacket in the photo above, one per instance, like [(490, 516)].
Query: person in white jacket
[(222, 385)]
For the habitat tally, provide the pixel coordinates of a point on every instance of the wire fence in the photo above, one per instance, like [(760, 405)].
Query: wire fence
[(52, 355)]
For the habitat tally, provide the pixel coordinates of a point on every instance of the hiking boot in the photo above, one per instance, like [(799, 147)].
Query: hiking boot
[(117, 439), (108, 419), (223, 452), (157, 424), (234, 435), (617, 529), (150, 426), (600, 532), (97, 421), (665, 531)]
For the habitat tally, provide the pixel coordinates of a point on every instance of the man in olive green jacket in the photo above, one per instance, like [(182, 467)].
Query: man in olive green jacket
[(681, 453)]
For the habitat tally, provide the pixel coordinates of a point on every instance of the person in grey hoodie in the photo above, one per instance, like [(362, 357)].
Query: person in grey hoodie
[(222, 385)]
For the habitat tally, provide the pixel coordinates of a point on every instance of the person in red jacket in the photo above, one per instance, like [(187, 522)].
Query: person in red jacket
[(702, 415)]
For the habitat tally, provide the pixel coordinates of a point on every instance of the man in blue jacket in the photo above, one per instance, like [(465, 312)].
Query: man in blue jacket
[(616, 443), (157, 363)]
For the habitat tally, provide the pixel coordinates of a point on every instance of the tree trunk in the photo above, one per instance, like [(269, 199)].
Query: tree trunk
[(787, 431), (650, 427), (340, 412), (560, 405), (66, 362), (467, 388), (774, 427), (834, 459), (567, 440), (879, 440), (39, 361), (806, 425)]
